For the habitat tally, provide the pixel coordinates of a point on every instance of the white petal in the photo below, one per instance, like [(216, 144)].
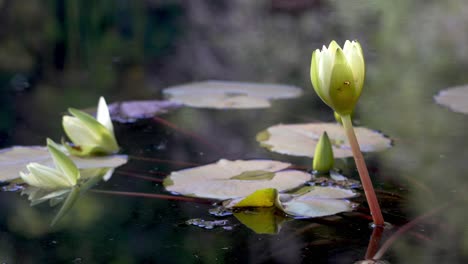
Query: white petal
[(63, 163), (108, 175), (325, 68), (103, 116), (44, 177)]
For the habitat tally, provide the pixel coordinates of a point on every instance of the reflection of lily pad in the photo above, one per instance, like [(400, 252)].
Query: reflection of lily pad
[(317, 202), (226, 94), (218, 180), (14, 159), (455, 98), (301, 139)]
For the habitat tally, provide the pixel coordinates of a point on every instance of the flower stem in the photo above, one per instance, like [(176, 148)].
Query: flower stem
[(363, 173)]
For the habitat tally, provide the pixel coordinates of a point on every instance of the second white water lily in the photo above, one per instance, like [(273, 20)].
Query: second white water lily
[(338, 75), (64, 175), (90, 136)]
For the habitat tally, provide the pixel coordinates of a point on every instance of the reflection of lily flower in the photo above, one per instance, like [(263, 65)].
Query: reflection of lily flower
[(64, 175), (90, 136)]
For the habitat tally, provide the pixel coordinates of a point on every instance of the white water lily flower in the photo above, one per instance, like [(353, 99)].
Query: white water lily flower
[(90, 136), (64, 175), (338, 75)]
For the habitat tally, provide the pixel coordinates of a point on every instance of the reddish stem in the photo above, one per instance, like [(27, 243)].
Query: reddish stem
[(131, 174), (180, 163), (363, 173), (156, 196), (374, 242)]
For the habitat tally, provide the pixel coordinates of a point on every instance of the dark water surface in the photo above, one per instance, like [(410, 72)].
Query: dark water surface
[(59, 57), (106, 228)]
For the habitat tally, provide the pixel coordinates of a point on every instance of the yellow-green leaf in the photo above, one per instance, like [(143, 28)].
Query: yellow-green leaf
[(259, 198)]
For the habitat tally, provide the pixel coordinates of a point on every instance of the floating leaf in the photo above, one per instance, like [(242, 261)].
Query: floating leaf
[(306, 202), (456, 98), (215, 180), (226, 94), (317, 202), (316, 208), (301, 139), (14, 159)]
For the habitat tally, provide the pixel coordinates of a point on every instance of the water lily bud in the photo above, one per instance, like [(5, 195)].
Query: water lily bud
[(64, 175), (323, 157), (337, 75), (90, 136)]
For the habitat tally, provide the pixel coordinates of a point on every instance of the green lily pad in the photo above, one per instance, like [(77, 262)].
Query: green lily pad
[(455, 99), (317, 202), (14, 159), (216, 180), (301, 139), (306, 202), (227, 94)]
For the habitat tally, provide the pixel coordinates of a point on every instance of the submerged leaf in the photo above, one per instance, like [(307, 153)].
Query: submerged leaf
[(301, 139), (227, 94), (455, 98), (207, 224), (261, 220), (215, 180)]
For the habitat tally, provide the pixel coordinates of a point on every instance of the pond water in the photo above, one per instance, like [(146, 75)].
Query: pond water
[(423, 174), (125, 229)]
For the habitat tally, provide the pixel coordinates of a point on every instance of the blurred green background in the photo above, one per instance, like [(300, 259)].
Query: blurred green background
[(56, 54)]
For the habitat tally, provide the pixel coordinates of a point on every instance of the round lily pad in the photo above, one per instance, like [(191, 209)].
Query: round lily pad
[(317, 202), (14, 159), (301, 139), (232, 179), (456, 98), (227, 94)]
